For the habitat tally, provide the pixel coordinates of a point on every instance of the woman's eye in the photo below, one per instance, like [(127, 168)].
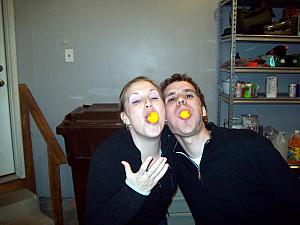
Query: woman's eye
[(134, 99)]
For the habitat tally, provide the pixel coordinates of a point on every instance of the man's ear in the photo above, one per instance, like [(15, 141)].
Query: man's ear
[(204, 115), (204, 112), (125, 118)]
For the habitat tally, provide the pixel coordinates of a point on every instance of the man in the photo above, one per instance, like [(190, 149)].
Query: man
[(227, 176)]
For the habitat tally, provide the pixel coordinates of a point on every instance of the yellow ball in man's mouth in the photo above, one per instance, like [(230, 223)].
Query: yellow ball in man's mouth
[(184, 114), (152, 117)]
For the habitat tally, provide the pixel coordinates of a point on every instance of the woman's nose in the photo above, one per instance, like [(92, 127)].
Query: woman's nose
[(148, 103)]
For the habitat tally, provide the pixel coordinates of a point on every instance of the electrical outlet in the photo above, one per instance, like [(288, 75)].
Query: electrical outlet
[(69, 55)]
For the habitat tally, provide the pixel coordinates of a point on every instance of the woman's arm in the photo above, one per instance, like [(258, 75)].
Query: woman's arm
[(109, 199)]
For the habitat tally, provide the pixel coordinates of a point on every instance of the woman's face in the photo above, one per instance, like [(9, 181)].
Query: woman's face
[(141, 99)]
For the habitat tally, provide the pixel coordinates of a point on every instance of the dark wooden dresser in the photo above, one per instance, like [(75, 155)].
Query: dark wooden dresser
[(83, 130)]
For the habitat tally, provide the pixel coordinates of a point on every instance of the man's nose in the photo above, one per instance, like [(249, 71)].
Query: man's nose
[(180, 100)]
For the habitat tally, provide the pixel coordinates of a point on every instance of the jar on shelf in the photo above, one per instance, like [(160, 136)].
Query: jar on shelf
[(293, 155), (250, 122), (237, 123)]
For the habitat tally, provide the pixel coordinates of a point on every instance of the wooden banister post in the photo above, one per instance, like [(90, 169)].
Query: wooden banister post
[(55, 190), (56, 156), (26, 135)]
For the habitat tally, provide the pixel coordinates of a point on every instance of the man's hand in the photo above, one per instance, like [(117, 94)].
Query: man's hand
[(147, 176)]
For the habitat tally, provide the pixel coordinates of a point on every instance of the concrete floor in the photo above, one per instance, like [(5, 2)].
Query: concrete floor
[(21, 207), (69, 209)]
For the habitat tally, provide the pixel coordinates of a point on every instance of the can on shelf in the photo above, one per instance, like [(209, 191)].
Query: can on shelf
[(292, 90), (239, 89), (271, 86), (298, 90)]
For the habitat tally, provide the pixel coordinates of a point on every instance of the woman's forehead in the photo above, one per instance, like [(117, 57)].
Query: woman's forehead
[(140, 87)]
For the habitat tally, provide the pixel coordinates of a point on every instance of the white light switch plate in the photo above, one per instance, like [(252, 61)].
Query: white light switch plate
[(69, 55)]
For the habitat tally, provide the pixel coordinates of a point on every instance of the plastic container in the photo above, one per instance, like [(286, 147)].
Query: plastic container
[(226, 86), (280, 142), (294, 148)]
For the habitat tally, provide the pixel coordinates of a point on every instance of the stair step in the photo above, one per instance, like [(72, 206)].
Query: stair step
[(21, 200), (33, 217), (21, 208)]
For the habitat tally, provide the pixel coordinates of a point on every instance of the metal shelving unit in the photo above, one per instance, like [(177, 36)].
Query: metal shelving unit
[(232, 70)]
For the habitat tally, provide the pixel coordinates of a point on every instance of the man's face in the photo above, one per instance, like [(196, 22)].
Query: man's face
[(181, 98)]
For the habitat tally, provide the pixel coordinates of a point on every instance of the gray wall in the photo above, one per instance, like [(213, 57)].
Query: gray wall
[(113, 41)]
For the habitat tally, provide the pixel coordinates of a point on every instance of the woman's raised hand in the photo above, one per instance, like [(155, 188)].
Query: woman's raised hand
[(148, 175)]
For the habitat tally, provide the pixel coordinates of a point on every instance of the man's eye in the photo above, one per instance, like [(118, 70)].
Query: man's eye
[(189, 96), (171, 99)]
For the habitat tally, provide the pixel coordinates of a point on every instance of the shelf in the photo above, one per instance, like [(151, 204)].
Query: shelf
[(281, 99), (262, 38), (294, 166), (224, 2), (273, 3), (291, 70)]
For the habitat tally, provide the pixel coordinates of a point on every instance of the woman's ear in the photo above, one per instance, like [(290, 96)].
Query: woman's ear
[(125, 118)]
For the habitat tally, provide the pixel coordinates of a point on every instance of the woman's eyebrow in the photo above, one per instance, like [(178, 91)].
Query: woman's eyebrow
[(135, 93)]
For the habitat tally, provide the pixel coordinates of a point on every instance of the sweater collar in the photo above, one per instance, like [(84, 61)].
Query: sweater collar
[(213, 135)]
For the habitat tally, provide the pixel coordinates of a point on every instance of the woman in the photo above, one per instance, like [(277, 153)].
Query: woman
[(129, 181)]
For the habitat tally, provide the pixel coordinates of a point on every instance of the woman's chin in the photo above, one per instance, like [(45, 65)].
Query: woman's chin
[(153, 131)]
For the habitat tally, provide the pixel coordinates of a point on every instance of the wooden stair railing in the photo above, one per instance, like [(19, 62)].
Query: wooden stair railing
[(56, 156)]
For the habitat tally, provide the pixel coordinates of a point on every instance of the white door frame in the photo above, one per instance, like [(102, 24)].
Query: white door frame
[(13, 88)]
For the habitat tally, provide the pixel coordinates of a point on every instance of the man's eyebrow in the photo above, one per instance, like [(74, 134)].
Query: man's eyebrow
[(169, 94), (189, 90)]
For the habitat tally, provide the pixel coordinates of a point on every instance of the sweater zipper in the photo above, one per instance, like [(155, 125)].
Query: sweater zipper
[(196, 165)]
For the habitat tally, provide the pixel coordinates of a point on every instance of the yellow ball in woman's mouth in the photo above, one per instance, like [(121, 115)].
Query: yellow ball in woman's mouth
[(152, 117)]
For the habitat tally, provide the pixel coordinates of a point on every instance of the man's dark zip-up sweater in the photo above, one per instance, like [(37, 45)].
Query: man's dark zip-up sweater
[(241, 180), (109, 200)]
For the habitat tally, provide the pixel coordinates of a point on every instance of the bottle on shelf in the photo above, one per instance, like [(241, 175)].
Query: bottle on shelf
[(293, 155)]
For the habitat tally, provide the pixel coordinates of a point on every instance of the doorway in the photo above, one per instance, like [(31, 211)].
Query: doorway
[(11, 148), (6, 149)]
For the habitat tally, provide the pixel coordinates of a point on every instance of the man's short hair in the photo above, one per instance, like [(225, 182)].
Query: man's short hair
[(183, 77)]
